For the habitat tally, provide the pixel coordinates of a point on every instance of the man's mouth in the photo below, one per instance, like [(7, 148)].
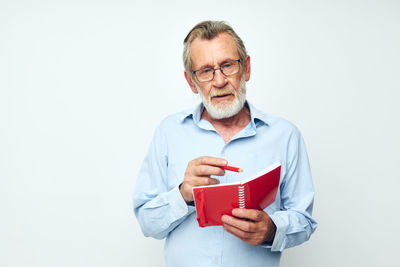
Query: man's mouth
[(222, 95)]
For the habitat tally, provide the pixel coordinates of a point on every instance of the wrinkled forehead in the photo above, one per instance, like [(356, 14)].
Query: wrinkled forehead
[(212, 52)]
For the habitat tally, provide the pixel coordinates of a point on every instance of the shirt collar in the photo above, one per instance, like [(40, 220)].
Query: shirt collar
[(257, 117), (195, 114)]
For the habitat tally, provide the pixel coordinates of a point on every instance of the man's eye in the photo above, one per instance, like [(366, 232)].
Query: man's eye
[(226, 65), (206, 71)]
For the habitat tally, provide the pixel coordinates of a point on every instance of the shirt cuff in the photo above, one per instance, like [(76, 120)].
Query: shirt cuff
[(280, 234), (178, 205)]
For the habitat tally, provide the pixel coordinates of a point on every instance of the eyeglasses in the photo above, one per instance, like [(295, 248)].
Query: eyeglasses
[(228, 68)]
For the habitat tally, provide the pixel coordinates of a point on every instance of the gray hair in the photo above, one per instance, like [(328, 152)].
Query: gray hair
[(208, 30)]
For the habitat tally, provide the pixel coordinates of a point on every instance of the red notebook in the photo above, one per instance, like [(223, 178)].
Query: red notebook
[(257, 192)]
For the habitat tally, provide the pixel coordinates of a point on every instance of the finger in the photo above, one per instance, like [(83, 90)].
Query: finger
[(213, 181), (251, 214), (245, 236), (250, 238), (207, 170), (243, 225), (206, 160), (200, 181)]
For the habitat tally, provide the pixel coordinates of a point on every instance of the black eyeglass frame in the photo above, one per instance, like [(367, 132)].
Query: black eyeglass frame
[(220, 68)]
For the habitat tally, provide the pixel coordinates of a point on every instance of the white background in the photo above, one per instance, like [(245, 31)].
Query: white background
[(83, 85)]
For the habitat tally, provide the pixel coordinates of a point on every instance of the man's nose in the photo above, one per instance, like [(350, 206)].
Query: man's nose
[(219, 78)]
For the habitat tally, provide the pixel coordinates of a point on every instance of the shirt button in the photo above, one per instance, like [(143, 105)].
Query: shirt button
[(216, 260)]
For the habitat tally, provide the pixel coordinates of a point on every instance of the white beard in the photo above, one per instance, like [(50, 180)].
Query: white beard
[(223, 110)]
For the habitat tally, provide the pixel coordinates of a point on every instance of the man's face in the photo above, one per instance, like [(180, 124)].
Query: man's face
[(223, 96)]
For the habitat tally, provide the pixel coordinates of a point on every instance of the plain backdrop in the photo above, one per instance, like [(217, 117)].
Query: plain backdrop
[(83, 84)]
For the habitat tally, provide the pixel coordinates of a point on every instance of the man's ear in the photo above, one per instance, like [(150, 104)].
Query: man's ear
[(188, 78), (247, 68)]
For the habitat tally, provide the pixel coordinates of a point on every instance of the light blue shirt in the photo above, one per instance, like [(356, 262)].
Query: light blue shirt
[(162, 212)]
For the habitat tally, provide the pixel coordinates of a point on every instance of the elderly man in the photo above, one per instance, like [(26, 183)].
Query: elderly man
[(189, 149)]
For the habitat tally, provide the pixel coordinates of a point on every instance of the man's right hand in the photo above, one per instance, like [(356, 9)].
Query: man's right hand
[(198, 173)]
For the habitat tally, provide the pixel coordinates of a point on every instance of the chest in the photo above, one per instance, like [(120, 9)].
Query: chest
[(252, 153), (228, 133)]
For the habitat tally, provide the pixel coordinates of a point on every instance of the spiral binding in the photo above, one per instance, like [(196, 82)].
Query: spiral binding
[(242, 200)]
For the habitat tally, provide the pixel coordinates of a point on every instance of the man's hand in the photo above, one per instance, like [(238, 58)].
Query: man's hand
[(198, 173), (252, 226)]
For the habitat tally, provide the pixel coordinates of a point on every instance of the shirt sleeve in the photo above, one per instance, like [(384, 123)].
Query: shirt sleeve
[(158, 209), (294, 224)]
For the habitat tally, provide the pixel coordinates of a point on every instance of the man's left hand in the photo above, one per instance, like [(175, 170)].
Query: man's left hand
[(252, 226)]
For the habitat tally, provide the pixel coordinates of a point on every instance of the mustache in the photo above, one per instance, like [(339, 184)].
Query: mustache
[(221, 92)]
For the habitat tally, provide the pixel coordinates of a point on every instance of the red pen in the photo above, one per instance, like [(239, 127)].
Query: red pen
[(230, 168)]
